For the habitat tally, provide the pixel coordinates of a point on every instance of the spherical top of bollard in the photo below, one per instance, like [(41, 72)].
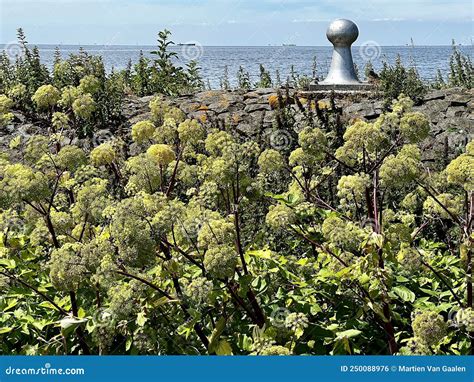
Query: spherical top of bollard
[(342, 32)]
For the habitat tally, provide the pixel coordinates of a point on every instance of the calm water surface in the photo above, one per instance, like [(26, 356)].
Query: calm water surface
[(213, 60)]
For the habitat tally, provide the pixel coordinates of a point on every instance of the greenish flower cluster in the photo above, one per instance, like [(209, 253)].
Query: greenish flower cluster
[(359, 137), (162, 154), (67, 268), (414, 127), (280, 216), (271, 161), (275, 350), (220, 261), (342, 233), (450, 206), (103, 154), (461, 170), (198, 290), (296, 321), (83, 106), (89, 84), (143, 131), (60, 121), (5, 115), (401, 169), (191, 131), (351, 189), (429, 327), (465, 318), (46, 97)]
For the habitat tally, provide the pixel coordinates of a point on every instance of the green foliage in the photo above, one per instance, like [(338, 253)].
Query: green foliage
[(243, 79), (461, 70), (224, 81), (80, 87), (342, 241), (162, 74), (397, 79), (265, 80), (5, 105)]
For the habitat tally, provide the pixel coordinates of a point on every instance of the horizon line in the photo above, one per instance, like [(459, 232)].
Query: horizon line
[(227, 46)]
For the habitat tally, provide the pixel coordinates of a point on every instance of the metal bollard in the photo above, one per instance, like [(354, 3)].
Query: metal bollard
[(342, 33)]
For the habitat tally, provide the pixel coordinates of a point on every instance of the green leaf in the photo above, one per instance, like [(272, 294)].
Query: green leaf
[(12, 303), (163, 300), (81, 313), (402, 279), (348, 334), (128, 343), (5, 330), (15, 142), (69, 324), (141, 319), (404, 293), (47, 304), (223, 348), (220, 326), (299, 332), (262, 254)]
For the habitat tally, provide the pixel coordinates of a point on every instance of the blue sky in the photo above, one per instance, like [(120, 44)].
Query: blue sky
[(235, 22)]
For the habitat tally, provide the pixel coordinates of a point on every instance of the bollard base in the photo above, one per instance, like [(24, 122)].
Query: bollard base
[(362, 86)]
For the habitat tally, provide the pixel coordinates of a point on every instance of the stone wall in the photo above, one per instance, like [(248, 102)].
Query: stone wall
[(450, 112)]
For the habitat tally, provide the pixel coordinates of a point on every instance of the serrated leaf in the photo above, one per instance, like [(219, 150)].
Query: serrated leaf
[(404, 293)]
